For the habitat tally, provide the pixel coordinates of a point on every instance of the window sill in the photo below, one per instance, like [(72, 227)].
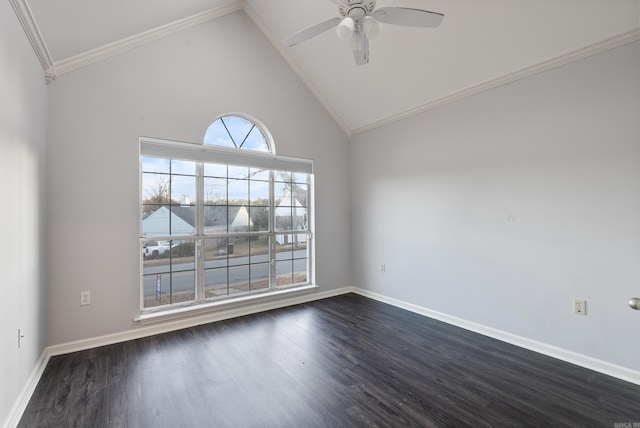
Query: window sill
[(229, 308)]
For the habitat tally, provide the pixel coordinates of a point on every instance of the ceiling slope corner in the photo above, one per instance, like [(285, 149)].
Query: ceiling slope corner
[(276, 44), (123, 45), (593, 49), (25, 16)]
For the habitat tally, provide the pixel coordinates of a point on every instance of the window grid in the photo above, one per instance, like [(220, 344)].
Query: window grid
[(244, 257), (220, 224)]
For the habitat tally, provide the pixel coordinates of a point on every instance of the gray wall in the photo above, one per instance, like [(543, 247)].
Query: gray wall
[(23, 123), (172, 88), (499, 209)]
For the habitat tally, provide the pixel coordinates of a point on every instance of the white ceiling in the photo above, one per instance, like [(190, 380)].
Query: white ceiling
[(71, 27), (480, 44)]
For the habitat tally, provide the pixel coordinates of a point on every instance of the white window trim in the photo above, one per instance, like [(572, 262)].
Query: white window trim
[(256, 302), (149, 146), (215, 154)]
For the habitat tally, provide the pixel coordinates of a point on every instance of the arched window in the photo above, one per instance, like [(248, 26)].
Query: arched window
[(238, 132), (224, 218)]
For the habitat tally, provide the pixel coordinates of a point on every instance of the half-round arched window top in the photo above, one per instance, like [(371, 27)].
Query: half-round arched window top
[(237, 131)]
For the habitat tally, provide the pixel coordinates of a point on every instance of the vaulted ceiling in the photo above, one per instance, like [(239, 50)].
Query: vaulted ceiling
[(480, 44)]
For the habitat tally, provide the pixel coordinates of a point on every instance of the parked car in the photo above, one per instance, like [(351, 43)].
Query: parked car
[(153, 249)]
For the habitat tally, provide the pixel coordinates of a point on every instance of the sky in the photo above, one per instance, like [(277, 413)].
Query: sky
[(239, 183)]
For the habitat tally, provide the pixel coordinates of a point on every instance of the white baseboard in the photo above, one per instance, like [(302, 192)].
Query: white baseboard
[(193, 321), (27, 391), (594, 364), (80, 345), (590, 363)]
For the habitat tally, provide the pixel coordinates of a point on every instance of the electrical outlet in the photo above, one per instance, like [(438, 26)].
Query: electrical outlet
[(383, 268), (85, 298), (579, 307)]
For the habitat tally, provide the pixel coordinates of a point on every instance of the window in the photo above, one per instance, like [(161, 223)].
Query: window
[(222, 219)]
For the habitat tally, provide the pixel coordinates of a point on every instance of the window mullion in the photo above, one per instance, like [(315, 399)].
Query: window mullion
[(310, 228), (272, 228), (206, 226), (199, 231)]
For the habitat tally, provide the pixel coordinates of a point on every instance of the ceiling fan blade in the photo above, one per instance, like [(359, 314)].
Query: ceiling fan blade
[(408, 17), (312, 31), (361, 51)]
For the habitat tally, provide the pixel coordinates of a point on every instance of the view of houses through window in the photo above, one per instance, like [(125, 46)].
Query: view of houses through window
[(216, 225)]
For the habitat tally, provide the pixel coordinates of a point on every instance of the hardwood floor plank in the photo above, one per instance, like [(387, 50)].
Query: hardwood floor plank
[(341, 362)]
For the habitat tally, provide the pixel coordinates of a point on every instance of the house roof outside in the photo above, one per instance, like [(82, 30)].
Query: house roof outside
[(183, 219)]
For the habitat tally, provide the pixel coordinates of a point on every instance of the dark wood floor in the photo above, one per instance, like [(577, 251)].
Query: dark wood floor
[(340, 362)]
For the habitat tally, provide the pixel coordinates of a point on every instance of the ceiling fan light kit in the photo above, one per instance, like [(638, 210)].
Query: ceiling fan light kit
[(360, 21), (346, 28), (372, 27)]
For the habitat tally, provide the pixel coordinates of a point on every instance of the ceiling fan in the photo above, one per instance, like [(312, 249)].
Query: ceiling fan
[(359, 22)]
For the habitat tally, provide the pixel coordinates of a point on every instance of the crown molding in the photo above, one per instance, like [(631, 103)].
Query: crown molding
[(25, 16), (278, 46), (123, 45), (54, 69), (596, 48)]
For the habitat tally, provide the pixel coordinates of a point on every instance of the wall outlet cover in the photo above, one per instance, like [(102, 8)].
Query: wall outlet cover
[(85, 298), (579, 306)]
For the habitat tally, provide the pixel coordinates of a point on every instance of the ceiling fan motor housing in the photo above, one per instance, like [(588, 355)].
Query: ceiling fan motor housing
[(359, 22), (356, 9)]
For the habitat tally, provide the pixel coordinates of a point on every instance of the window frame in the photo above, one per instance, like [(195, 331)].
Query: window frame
[(202, 154)]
